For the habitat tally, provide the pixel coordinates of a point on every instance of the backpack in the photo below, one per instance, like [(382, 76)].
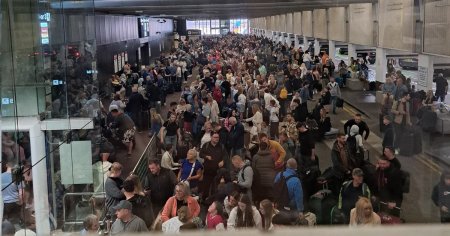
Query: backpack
[(242, 189), (351, 144), (283, 93), (405, 176), (281, 192)]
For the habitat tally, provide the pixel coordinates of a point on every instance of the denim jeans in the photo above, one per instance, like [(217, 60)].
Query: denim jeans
[(171, 140), (333, 103)]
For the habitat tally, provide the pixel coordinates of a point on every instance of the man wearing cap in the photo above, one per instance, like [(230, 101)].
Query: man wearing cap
[(127, 222), (350, 192)]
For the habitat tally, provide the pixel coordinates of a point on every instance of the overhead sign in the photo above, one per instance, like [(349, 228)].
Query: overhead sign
[(193, 32)]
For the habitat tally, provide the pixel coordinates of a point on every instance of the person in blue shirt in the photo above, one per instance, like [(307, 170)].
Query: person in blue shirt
[(294, 186), (12, 193), (191, 170)]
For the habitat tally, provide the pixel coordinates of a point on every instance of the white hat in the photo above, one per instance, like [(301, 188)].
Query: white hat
[(113, 107), (25, 232)]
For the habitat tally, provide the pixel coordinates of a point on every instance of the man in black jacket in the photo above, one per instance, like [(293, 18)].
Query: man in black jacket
[(159, 184), (136, 104), (142, 206), (389, 185), (357, 120), (236, 137), (388, 138)]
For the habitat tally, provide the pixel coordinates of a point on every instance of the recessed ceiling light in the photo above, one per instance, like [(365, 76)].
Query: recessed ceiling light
[(139, 11)]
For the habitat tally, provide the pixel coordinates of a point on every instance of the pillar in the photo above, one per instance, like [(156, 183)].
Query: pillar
[(351, 52), (305, 43), (1, 195), (332, 50), (39, 175), (316, 47), (381, 65), (425, 72)]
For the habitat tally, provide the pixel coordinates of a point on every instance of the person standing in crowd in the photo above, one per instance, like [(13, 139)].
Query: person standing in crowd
[(244, 178), (244, 215), (141, 205), (441, 87), (90, 225), (363, 215), (400, 89), (191, 171), (263, 164), (12, 193), (171, 132), (294, 186), (136, 104), (441, 196), (236, 137), (388, 185), (213, 154), (351, 191), (357, 120), (306, 157), (335, 92), (167, 159), (173, 225), (159, 184), (304, 97), (274, 110), (156, 122), (389, 153), (113, 188), (257, 117), (341, 158), (126, 222), (402, 117), (277, 151), (125, 127), (182, 198)]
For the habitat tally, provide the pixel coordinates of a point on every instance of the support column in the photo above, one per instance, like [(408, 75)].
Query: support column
[(332, 50), (305, 43), (381, 65), (1, 195), (316, 47), (425, 72), (39, 175), (351, 52)]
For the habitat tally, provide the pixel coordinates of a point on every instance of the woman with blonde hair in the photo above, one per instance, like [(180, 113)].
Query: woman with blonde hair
[(156, 121), (173, 224), (363, 214), (257, 117)]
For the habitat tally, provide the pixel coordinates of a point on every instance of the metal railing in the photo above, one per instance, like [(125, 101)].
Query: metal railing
[(79, 212), (150, 151)]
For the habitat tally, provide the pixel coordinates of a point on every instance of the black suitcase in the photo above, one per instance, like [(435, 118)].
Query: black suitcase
[(407, 142), (321, 204), (177, 86), (417, 141), (372, 86)]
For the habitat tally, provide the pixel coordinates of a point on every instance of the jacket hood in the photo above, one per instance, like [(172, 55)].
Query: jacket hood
[(354, 130)]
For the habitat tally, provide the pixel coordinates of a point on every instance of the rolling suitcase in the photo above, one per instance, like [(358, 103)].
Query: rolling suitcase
[(321, 205), (382, 126), (406, 143)]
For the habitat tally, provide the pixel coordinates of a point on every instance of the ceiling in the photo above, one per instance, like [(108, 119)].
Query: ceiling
[(195, 9)]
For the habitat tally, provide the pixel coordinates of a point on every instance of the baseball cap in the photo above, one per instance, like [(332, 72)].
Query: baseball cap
[(124, 204), (113, 107)]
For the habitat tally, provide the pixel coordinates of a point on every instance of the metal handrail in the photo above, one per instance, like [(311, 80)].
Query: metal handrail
[(141, 167)]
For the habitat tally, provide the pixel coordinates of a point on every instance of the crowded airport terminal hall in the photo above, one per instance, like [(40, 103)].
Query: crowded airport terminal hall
[(138, 117)]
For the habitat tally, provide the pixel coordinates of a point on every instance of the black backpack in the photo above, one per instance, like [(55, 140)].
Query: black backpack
[(281, 192), (351, 144), (405, 176)]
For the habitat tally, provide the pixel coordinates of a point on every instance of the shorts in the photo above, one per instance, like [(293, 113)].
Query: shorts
[(128, 136)]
